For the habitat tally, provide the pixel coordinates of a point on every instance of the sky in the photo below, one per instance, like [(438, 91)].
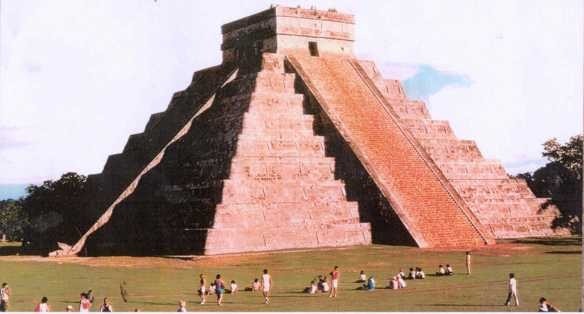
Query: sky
[(78, 77)]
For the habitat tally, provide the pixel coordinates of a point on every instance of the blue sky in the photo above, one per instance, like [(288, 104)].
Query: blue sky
[(78, 77)]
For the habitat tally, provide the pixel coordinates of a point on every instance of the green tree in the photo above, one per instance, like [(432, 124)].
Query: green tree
[(561, 181), (13, 219), (56, 212)]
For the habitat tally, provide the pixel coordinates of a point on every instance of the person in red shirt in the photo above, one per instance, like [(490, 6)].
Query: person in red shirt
[(335, 276)]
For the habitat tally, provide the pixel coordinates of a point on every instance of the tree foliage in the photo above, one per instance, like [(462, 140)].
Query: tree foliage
[(56, 214), (561, 180), (13, 219)]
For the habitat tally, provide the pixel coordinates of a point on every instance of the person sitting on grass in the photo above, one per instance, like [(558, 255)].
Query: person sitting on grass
[(545, 306), (370, 285), (106, 306), (362, 277), (233, 287), (325, 285), (312, 289), (449, 271), (393, 283), (412, 274), (255, 285), (441, 270), (212, 288), (401, 274), (420, 273), (401, 283)]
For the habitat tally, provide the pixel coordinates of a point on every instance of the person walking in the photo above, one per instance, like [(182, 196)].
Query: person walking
[(219, 288), (266, 286), (512, 290), (335, 276), (106, 306), (202, 288), (4, 297), (43, 306), (468, 262)]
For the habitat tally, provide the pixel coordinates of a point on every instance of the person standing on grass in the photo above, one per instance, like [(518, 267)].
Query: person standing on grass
[(335, 276), (43, 306), (106, 306), (84, 303), (512, 290), (219, 288), (203, 288), (468, 262), (4, 297), (266, 286), (182, 306)]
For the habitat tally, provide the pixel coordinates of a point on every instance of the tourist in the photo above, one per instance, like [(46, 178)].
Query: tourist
[(43, 306), (401, 274), (219, 288), (4, 297), (233, 287), (335, 277), (203, 288), (84, 303), (69, 308), (106, 306), (325, 285), (420, 273), (401, 283), (370, 285), (393, 283), (320, 281), (90, 296), (212, 288), (545, 306), (449, 271), (313, 287), (468, 262), (182, 306), (362, 277), (441, 271), (512, 290), (256, 285), (412, 274), (266, 286)]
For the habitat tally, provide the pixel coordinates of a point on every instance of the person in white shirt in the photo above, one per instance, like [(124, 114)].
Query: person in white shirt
[(325, 285), (43, 306), (420, 274), (402, 274), (203, 288), (266, 286), (233, 287), (313, 287), (182, 306), (255, 285), (362, 277), (4, 297), (512, 290), (449, 270), (401, 283), (393, 283), (441, 271)]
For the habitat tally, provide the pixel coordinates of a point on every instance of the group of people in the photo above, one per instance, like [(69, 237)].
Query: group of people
[(321, 283), (218, 288), (265, 285)]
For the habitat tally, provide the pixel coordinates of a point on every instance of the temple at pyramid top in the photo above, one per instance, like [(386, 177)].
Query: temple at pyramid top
[(286, 30)]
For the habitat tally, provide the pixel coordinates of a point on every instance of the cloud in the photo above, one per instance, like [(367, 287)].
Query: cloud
[(428, 81)]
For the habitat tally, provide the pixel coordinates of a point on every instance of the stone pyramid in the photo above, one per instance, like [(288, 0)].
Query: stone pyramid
[(293, 143)]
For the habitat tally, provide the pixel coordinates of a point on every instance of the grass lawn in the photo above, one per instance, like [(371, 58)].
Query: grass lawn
[(549, 268)]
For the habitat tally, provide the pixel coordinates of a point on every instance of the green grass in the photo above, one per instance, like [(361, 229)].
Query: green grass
[(543, 268)]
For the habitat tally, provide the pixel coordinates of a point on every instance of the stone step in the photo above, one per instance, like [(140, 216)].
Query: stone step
[(451, 149), (226, 240), (483, 169), (508, 188), (283, 169), (425, 128), (254, 120), (273, 62), (410, 109), (306, 146), (247, 191), (284, 214)]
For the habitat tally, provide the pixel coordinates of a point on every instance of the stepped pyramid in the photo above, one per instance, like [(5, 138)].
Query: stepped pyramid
[(294, 143)]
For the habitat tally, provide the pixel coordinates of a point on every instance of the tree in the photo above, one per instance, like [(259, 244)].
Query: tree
[(13, 219), (561, 181), (56, 212)]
